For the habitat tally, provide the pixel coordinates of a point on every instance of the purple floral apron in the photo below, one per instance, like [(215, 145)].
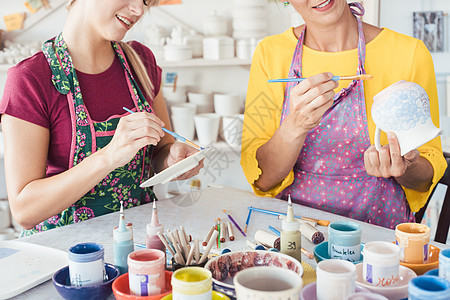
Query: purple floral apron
[(329, 173), (88, 136)]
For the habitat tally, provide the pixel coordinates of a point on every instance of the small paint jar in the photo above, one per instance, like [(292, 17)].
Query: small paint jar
[(146, 272), (192, 283), (428, 287), (335, 279), (344, 240), (444, 264), (381, 264), (413, 240), (86, 264)]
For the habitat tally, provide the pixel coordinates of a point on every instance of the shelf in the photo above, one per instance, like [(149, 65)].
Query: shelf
[(200, 62)]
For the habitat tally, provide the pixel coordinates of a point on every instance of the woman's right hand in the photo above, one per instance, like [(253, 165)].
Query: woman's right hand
[(310, 99), (133, 132)]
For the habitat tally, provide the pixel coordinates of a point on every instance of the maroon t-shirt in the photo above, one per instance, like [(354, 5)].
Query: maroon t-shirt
[(30, 95)]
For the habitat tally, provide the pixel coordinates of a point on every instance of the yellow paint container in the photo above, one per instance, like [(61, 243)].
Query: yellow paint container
[(413, 240), (192, 283)]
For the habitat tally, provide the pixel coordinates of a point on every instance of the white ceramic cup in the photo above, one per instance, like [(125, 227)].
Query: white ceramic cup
[(267, 283), (232, 129), (184, 109), (207, 127), (335, 279), (203, 100), (184, 125), (404, 109), (227, 104), (177, 96)]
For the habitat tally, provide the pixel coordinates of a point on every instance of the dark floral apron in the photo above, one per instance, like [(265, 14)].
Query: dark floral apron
[(329, 173), (88, 136)]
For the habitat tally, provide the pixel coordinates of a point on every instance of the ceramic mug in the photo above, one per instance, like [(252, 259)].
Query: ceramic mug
[(413, 240), (404, 109), (267, 283)]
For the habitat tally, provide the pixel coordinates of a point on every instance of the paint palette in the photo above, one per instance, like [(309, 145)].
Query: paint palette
[(175, 170), (25, 265)]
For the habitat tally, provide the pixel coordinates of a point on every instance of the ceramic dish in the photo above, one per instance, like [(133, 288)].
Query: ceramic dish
[(61, 280), (309, 292), (225, 266), (175, 170), (25, 265), (215, 296), (433, 262), (321, 252), (392, 292), (121, 288)]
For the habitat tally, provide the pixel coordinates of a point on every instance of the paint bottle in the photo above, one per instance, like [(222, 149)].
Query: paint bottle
[(192, 283), (381, 264), (428, 287), (290, 235), (146, 272), (444, 264), (122, 242), (152, 240)]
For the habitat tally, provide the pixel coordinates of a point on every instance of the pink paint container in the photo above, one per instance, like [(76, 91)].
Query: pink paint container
[(146, 272)]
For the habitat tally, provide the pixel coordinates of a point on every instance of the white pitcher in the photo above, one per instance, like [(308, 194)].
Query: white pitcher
[(404, 109)]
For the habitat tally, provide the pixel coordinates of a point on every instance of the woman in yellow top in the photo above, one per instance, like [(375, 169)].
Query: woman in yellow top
[(314, 140)]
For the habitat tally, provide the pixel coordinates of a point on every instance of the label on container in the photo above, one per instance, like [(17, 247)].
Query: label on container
[(179, 296), (425, 253), (86, 273), (379, 275), (144, 284), (350, 253)]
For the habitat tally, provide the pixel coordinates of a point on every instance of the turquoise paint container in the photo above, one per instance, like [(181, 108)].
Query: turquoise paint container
[(428, 287), (344, 240)]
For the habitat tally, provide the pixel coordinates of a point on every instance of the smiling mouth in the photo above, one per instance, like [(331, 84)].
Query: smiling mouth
[(124, 20), (323, 4)]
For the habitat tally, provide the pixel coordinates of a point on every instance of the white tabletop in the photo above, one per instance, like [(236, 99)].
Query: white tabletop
[(195, 211)]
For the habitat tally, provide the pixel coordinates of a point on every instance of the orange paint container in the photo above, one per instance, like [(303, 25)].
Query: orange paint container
[(413, 240)]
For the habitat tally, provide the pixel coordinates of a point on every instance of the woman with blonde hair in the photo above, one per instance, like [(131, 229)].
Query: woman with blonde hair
[(71, 151)]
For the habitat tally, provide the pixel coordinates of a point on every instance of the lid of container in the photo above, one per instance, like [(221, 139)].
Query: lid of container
[(290, 223), (218, 40)]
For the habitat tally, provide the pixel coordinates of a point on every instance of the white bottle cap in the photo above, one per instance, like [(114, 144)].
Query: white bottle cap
[(290, 223)]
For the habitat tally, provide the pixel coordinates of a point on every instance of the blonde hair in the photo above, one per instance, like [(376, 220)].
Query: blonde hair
[(134, 59)]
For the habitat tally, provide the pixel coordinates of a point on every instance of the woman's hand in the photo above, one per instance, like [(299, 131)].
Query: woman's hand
[(178, 152), (133, 132), (387, 162), (310, 99)]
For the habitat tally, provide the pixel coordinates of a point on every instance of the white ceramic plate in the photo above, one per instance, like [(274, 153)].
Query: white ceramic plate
[(175, 170), (25, 265)]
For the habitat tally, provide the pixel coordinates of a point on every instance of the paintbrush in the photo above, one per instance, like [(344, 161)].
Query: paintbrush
[(235, 223), (335, 78), (177, 136), (271, 212)]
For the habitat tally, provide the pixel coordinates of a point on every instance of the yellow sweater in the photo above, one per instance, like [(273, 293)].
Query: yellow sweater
[(390, 57)]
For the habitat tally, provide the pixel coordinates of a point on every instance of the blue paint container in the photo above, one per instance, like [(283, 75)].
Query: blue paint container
[(86, 264), (123, 243), (428, 287), (344, 240), (444, 264)]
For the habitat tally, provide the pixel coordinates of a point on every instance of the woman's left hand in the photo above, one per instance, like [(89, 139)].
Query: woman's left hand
[(387, 162), (178, 152)]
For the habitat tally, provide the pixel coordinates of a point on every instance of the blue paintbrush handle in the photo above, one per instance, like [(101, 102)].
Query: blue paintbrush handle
[(335, 78), (177, 136)]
